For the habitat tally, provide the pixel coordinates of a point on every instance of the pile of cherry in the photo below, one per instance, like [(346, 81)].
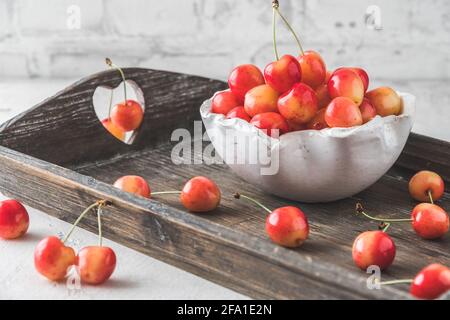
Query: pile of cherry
[(299, 93)]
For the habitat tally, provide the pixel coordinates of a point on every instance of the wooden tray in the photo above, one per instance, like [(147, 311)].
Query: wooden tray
[(58, 158)]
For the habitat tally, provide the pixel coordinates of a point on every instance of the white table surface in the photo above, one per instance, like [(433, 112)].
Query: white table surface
[(137, 276)]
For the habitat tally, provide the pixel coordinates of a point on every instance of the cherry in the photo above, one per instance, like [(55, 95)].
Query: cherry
[(223, 102), (14, 219), (243, 78), (299, 105), (368, 112), (426, 185), (133, 184), (429, 221), (128, 115), (272, 123), (313, 68), (283, 73), (323, 98), (238, 112), (286, 226), (343, 112), (361, 73), (431, 282), (346, 83), (95, 264), (261, 99), (318, 122), (52, 258), (115, 131), (373, 248), (199, 194), (385, 100)]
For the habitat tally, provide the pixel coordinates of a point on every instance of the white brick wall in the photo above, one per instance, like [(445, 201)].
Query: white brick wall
[(208, 37)]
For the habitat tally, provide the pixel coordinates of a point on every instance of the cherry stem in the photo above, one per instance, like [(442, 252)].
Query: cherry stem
[(359, 209), (112, 65), (110, 104), (274, 33), (99, 220), (387, 225), (238, 196), (276, 6), (396, 282), (96, 204), (166, 192), (430, 196)]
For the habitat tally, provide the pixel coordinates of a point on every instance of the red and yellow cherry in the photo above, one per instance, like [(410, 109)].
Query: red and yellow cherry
[(95, 264), (243, 78), (373, 248), (200, 194), (133, 184), (313, 68), (238, 112), (52, 258), (431, 282), (323, 98), (346, 83), (115, 131), (283, 74), (223, 102), (272, 123), (286, 226), (426, 185), (127, 116), (318, 122), (261, 99), (429, 221), (299, 105), (14, 219), (385, 100), (361, 73), (368, 112), (343, 112)]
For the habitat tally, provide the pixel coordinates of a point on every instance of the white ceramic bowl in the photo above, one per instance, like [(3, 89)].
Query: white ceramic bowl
[(311, 165)]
